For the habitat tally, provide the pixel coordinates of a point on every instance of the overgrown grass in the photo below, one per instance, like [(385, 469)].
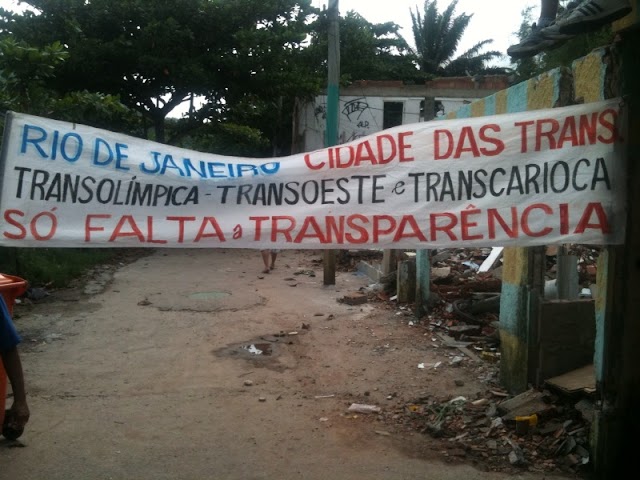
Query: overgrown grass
[(55, 267)]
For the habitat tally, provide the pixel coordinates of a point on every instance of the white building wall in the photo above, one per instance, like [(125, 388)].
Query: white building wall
[(360, 116)]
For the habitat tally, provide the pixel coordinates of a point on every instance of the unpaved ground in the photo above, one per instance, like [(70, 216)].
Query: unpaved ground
[(147, 371)]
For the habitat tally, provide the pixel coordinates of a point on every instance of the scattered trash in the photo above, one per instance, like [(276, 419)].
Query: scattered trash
[(456, 361), (36, 293), (472, 265), (490, 356), (362, 408)]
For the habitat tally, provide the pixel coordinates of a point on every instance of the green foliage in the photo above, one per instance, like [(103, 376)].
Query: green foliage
[(367, 51), (97, 110), (24, 73), (51, 266), (437, 36), (227, 139), (156, 54)]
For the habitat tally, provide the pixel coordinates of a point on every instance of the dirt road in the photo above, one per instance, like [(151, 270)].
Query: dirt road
[(189, 364)]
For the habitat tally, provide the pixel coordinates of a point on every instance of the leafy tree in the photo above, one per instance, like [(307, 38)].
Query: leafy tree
[(26, 76), (157, 54), (437, 36), (24, 73), (367, 51)]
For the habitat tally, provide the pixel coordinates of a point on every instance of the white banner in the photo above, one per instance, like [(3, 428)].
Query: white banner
[(533, 178)]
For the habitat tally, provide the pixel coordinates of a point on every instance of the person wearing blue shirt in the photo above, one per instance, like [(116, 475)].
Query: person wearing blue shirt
[(18, 414)]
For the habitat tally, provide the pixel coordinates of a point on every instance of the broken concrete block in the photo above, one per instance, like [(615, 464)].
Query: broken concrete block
[(527, 403), (440, 272), (355, 298)]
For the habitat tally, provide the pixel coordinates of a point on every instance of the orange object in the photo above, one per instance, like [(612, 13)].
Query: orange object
[(11, 288)]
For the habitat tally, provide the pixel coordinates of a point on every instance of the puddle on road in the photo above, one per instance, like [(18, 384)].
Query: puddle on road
[(262, 352), (215, 295)]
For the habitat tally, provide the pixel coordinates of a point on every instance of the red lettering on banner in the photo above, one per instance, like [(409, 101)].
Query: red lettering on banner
[(446, 146), (525, 220), (535, 221), (409, 222), (446, 228), (142, 230), (608, 120), (181, 221), (603, 222), (133, 232), (42, 226), (381, 150), (493, 215), (9, 218), (378, 226), (88, 227), (310, 223), (364, 234), (286, 230), (547, 128), (217, 231), (564, 219), (258, 230), (150, 238), (355, 229), (466, 224), (573, 131)]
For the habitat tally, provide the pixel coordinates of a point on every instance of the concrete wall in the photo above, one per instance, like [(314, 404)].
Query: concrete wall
[(521, 282), (605, 73), (362, 106), (566, 334)]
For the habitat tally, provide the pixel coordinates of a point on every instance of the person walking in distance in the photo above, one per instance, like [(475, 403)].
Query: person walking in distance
[(269, 259)]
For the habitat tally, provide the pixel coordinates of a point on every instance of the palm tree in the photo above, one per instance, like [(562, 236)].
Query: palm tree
[(437, 36)]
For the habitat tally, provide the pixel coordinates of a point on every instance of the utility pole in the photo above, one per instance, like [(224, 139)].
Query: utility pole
[(333, 100)]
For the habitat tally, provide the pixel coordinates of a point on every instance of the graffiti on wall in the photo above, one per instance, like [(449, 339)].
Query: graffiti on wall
[(354, 109)]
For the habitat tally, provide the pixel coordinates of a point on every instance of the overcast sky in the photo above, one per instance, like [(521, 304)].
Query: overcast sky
[(492, 19)]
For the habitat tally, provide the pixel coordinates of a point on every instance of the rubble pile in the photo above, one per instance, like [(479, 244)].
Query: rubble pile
[(540, 430), (552, 437), (465, 304)]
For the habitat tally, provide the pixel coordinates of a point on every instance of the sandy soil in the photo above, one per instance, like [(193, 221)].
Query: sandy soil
[(149, 369)]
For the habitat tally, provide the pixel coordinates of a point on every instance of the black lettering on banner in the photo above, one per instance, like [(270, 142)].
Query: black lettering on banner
[(42, 185), (465, 185), (368, 188)]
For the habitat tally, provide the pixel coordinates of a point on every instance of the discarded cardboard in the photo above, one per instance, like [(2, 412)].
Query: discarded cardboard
[(582, 379)]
